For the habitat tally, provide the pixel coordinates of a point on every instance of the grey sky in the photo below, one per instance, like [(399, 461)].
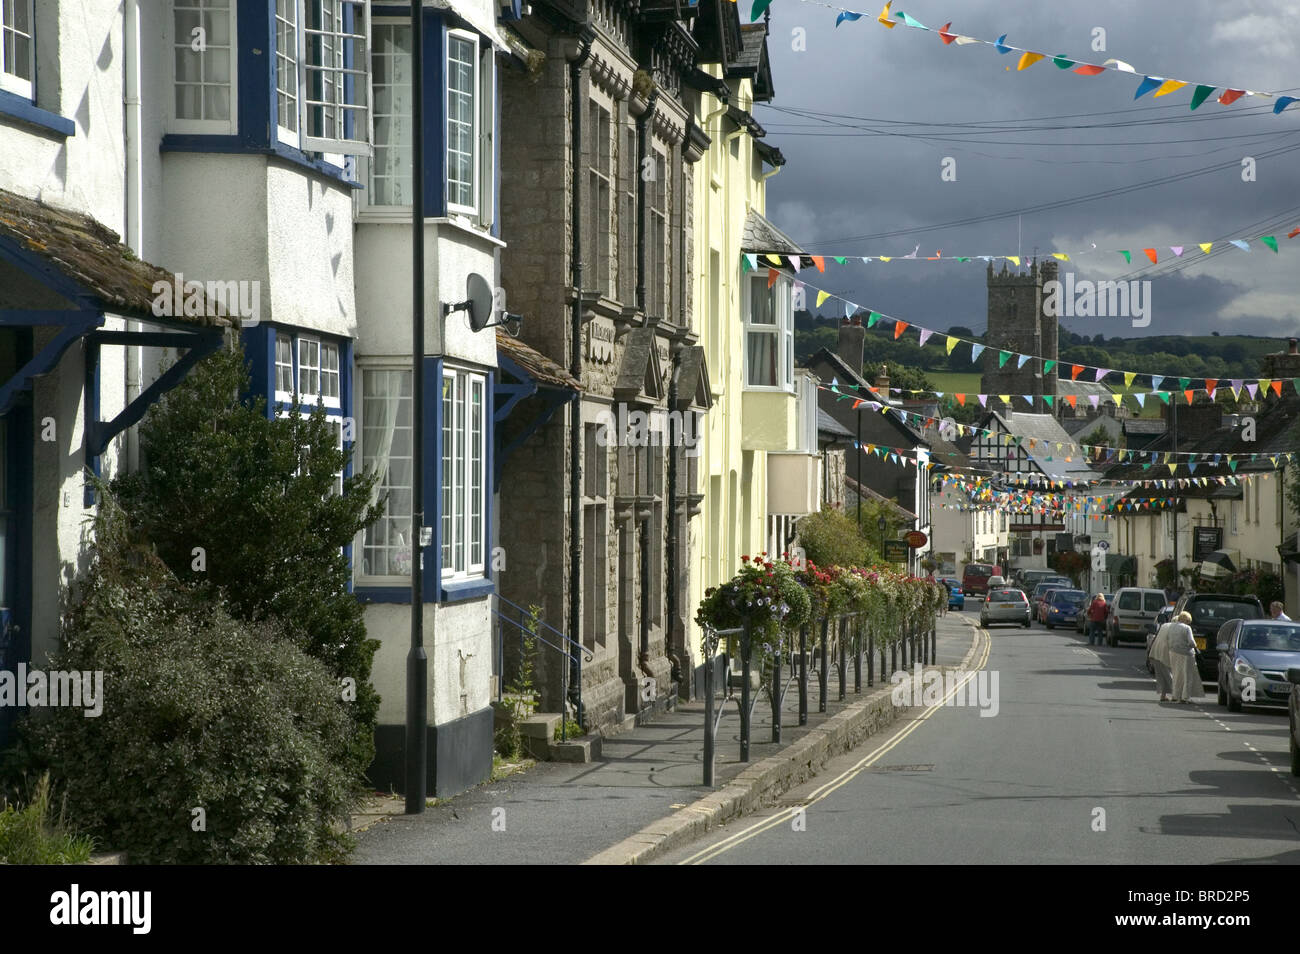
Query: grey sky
[(840, 184)]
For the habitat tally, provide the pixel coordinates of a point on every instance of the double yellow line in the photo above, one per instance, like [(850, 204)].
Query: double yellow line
[(756, 829)]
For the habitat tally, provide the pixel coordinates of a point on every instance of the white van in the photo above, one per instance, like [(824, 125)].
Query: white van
[(1129, 614)]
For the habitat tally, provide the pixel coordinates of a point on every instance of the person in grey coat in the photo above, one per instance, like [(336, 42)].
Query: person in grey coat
[(1160, 661), (1182, 655)]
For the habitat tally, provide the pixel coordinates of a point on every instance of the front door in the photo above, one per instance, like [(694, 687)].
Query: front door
[(15, 525)]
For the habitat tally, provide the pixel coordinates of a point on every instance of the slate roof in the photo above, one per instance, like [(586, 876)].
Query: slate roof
[(92, 256), (828, 425), (750, 56), (760, 235), (539, 367), (1044, 428), (842, 373)]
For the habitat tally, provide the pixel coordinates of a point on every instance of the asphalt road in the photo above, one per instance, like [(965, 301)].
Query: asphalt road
[(1080, 764)]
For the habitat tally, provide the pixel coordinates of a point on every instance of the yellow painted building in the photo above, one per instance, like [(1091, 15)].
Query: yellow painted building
[(745, 325)]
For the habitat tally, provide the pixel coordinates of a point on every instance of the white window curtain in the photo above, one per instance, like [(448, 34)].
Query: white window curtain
[(386, 449)]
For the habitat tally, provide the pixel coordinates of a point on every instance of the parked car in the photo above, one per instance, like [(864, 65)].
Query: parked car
[(1026, 579), (1132, 614), (1005, 606), (1209, 612), (1041, 588), (1293, 710), (1062, 606), (975, 577), (1262, 650), (1081, 620), (956, 599)]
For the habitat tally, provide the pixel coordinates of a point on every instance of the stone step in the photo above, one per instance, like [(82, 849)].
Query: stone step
[(540, 726)]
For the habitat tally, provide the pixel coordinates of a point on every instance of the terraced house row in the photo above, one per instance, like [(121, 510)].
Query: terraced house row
[(596, 162)]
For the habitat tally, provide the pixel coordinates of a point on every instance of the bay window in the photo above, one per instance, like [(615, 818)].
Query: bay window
[(203, 66), (17, 47), (464, 472), (769, 334), (321, 87), (462, 121), (389, 179)]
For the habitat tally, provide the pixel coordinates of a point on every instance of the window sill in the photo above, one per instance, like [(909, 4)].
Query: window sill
[(233, 145), (28, 113), (460, 590), (382, 593)]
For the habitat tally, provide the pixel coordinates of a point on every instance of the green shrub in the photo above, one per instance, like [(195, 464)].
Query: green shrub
[(257, 494), (201, 710), (831, 538), (32, 836)]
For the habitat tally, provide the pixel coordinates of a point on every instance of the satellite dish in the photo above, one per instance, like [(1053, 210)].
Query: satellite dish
[(479, 295)]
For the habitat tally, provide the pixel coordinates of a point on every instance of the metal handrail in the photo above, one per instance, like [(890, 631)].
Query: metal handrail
[(543, 639), (564, 672), (562, 636)]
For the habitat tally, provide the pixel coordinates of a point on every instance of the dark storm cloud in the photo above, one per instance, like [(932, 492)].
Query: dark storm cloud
[(842, 185)]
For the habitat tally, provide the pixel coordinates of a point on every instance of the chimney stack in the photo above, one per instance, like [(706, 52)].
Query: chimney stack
[(882, 383), (852, 338), (1282, 364)]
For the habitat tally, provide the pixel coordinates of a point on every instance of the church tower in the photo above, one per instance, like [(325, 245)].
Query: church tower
[(1016, 323)]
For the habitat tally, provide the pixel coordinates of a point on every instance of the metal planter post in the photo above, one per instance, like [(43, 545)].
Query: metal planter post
[(745, 654), (934, 643), (776, 691), (803, 674), (857, 654), (871, 656), (821, 676), (893, 652), (844, 658), (710, 649)]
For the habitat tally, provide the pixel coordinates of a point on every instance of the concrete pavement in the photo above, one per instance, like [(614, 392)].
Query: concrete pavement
[(557, 813)]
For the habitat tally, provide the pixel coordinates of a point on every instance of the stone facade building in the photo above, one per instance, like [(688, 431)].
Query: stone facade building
[(1017, 323), (596, 205)]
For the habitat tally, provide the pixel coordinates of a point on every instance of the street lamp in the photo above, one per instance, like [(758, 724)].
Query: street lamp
[(883, 524)]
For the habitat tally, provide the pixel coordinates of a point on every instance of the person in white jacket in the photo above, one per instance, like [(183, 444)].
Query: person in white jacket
[(1160, 661), (1182, 655)]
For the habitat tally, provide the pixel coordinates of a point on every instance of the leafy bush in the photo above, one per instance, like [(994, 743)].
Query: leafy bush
[(257, 494), (831, 538), (31, 836), (201, 710)]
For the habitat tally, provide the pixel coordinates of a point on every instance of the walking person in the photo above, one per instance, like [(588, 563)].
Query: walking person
[(1097, 619), (1160, 661), (1182, 654)]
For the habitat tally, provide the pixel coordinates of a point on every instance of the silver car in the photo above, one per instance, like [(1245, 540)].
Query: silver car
[(1005, 605), (1254, 656)]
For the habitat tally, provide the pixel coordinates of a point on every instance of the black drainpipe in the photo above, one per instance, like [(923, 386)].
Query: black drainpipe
[(674, 639), (644, 128), (585, 39)]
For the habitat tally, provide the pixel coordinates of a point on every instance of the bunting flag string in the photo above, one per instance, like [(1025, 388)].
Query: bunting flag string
[(1087, 453), (1153, 83), (897, 326), (1154, 253), (907, 457)]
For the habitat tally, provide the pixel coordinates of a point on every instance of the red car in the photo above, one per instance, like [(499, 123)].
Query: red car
[(975, 577)]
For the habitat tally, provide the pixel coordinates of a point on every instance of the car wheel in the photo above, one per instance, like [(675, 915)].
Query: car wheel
[(1234, 703), (1223, 695), (1295, 757)]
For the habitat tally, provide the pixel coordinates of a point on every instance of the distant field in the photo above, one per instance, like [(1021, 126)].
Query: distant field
[(951, 381)]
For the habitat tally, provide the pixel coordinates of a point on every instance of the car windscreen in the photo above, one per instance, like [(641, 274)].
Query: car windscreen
[(976, 569), (1153, 602), (1282, 639), (1217, 612), (1067, 597)]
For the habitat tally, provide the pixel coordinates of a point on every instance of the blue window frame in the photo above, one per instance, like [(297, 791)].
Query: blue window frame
[(458, 439)]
